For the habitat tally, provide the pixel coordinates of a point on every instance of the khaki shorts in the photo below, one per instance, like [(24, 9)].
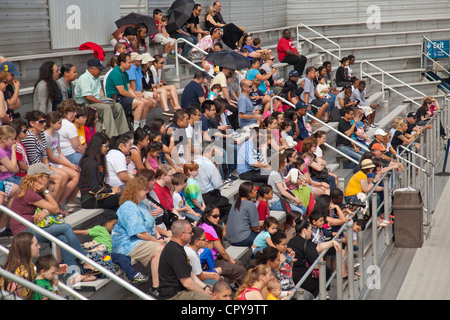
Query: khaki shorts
[(159, 38), (144, 252)]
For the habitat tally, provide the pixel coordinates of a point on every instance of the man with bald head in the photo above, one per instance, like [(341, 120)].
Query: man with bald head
[(245, 106)]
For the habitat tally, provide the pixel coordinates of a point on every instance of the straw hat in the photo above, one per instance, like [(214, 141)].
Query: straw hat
[(367, 164)]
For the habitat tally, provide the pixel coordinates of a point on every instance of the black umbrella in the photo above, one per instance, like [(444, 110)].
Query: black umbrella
[(179, 13), (137, 18), (228, 59)]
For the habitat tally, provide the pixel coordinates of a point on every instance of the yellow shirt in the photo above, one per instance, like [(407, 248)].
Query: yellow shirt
[(271, 297), (354, 184), (81, 134)]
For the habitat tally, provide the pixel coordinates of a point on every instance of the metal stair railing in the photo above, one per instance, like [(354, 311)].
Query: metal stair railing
[(301, 25), (384, 85), (29, 285), (61, 285), (361, 146), (179, 56), (69, 249)]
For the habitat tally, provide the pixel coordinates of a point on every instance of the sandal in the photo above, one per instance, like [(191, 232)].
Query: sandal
[(82, 278)]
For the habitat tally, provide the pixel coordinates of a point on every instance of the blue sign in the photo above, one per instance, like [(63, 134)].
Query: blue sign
[(438, 49)]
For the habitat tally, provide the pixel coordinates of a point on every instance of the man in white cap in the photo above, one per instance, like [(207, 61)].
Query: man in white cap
[(88, 91)]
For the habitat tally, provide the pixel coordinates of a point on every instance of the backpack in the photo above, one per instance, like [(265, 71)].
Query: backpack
[(100, 254)]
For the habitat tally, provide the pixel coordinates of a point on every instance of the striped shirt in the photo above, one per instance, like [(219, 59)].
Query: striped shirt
[(36, 150)]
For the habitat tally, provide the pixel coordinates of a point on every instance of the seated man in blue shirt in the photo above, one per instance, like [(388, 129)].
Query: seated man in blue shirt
[(245, 106), (250, 162)]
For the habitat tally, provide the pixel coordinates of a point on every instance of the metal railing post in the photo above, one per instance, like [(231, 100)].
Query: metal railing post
[(75, 253), (374, 230), (339, 275), (323, 280), (350, 263)]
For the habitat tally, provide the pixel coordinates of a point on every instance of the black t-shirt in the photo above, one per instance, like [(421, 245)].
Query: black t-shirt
[(421, 112), (173, 266), (343, 126), (297, 244), (194, 20), (396, 141), (411, 126)]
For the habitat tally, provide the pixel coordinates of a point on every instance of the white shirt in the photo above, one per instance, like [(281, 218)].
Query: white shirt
[(115, 162), (68, 131), (194, 260)]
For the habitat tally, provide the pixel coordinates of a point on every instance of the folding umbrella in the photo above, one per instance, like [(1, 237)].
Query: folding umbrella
[(179, 12), (228, 59), (137, 18)]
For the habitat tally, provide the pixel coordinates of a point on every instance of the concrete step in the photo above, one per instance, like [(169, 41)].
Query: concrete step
[(428, 88), (381, 38), (388, 64), (374, 52), (394, 25), (409, 75)]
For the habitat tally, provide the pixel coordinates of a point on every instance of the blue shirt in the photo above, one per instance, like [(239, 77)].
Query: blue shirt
[(191, 93), (246, 157), (309, 89), (132, 220), (251, 74), (245, 105), (136, 74)]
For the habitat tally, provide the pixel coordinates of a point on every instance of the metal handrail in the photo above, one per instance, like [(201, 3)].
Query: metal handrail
[(315, 44), (61, 285), (69, 249), (428, 56), (318, 120), (390, 75), (29, 285), (179, 56)]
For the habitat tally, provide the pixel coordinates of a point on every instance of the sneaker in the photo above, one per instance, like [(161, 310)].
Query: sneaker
[(6, 233), (139, 278), (154, 291), (172, 54), (167, 113)]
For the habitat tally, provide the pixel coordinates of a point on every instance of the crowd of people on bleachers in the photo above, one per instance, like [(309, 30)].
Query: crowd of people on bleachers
[(161, 183)]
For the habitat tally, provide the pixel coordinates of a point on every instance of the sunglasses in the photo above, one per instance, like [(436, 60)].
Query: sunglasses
[(215, 216), (42, 121)]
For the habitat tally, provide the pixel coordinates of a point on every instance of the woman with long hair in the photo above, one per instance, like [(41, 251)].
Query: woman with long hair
[(36, 146), (95, 193), (256, 280), (162, 92), (46, 94), (135, 234), (35, 203), (306, 252), (243, 218), (59, 163), (214, 232), (24, 247), (70, 143), (137, 150)]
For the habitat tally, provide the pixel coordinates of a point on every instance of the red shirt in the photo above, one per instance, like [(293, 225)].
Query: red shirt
[(283, 45), (164, 196), (263, 210)]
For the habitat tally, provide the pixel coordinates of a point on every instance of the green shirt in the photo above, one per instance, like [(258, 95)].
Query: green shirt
[(101, 235), (43, 283), (87, 85), (116, 78), (193, 191)]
